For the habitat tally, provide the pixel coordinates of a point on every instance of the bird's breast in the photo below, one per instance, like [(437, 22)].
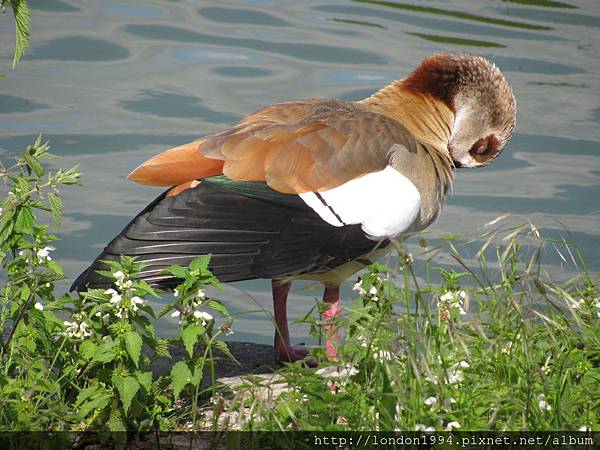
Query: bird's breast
[(386, 204)]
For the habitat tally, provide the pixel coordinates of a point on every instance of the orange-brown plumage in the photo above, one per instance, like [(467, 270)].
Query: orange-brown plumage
[(176, 166), (316, 145)]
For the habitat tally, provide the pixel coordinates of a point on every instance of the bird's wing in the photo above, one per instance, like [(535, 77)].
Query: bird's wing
[(297, 147)]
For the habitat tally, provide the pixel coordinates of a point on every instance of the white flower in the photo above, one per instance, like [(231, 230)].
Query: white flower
[(175, 293), (576, 304), (447, 296), (373, 290), (375, 298), (110, 291), (337, 371), (203, 316), (584, 428), (228, 332), (43, 254), (119, 275), (450, 302), (22, 252), (455, 377), (452, 425), (421, 427), (77, 330), (137, 300), (116, 298), (358, 287), (543, 404), (175, 313), (461, 364), (363, 340), (200, 293), (431, 401), (38, 306)]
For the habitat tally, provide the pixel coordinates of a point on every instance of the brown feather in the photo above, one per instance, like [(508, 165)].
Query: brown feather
[(176, 166)]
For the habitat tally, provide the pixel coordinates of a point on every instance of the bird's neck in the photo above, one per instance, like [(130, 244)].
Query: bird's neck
[(428, 119)]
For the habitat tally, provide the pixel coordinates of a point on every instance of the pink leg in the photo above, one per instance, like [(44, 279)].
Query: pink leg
[(283, 350), (331, 296)]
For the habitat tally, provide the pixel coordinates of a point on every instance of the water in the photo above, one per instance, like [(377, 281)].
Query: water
[(112, 83)]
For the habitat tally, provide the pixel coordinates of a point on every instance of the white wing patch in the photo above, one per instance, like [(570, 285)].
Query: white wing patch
[(385, 203)]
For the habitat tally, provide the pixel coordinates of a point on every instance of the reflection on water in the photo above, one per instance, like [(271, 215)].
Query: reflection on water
[(112, 83)]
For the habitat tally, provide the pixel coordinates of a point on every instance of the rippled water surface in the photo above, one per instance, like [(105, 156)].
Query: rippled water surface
[(111, 83)]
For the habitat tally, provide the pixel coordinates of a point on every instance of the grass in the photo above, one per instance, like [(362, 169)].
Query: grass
[(503, 343), (498, 346)]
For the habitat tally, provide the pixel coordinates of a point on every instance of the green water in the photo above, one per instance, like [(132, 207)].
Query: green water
[(112, 83)]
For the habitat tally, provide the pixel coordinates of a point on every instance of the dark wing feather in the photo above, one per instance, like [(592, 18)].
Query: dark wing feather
[(251, 231)]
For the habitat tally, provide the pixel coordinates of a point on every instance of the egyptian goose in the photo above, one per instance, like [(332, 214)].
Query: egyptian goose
[(311, 189)]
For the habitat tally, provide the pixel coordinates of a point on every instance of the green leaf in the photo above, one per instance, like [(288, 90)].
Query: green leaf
[(127, 388), (55, 267), (33, 164), (133, 342), (99, 402), (200, 263), (145, 380), (68, 177), (115, 421), (180, 376), (87, 349), (56, 206), (218, 306), (189, 335), (177, 271), (86, 393), (104, 353), (25, 220), (222, 346), (22, 21)]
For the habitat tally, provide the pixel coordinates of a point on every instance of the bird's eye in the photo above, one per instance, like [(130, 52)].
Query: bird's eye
[(480, 148), (486, 148)]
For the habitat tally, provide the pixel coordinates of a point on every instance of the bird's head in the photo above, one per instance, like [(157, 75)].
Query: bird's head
[(479, 96)]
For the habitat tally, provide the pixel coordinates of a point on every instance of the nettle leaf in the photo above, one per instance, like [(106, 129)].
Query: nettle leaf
[(86, 393), (218, 306), (22, 20), (133, 342), (127, 388), (145, 380), (104, 352), (222, 346), (189, 335), (56, 206), (177, 271), (200, 263), (87, 349), (180, 376), (25, 220), (115, 421), (99, 402), (55, 267), (33, 164)]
